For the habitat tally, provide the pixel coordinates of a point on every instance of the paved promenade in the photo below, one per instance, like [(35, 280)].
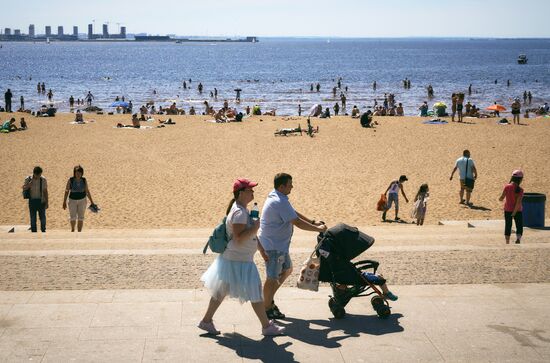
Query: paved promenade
[(135, 296), (446, 323)]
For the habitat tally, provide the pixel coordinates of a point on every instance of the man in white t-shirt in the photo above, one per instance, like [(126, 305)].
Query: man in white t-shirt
[(468, 174), (276, 227)]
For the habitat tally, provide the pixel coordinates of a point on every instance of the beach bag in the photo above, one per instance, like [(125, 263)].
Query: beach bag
[(218, 240), (309, 274), (27, 192), (381, 205)]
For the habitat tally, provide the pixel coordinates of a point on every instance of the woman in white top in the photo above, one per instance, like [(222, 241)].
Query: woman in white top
[(234, 272)]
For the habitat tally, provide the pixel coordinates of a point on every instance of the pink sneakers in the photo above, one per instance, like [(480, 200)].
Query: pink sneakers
[(208, 327), (273, 329)]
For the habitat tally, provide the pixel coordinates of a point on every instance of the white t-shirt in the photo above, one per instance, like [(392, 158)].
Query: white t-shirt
[(461, 165), (394, 189), (244, 250)]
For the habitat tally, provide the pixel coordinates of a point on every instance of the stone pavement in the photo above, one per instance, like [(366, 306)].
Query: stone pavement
[(444, 323)]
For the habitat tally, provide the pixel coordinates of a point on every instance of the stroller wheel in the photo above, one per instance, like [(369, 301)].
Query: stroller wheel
[(383, 311), (377, 302), (339, 312)]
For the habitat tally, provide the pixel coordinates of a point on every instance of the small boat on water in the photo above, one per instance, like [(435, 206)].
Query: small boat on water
[(522, 59)]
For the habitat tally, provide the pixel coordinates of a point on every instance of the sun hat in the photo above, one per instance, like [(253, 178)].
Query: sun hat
[(517, 173), (243, 183)]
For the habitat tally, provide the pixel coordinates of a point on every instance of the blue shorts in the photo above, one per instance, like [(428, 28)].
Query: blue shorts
[(277, 263), (392, 198)]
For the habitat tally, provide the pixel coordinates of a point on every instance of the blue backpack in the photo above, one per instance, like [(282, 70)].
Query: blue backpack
[(218, 240)]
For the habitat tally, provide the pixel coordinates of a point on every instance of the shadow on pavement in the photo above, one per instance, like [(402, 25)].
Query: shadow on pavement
[(312, 332), (351, 326), (266, 350)]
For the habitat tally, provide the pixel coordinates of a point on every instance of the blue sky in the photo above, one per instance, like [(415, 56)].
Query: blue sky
[(343, 18)]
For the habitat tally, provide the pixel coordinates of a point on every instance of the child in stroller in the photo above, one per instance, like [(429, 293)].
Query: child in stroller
[(336, 248)]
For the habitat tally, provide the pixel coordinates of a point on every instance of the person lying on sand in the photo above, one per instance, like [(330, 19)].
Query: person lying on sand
[(135, 122), (167, 122)]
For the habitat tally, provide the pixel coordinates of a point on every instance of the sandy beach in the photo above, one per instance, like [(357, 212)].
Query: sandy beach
[(180, 176)]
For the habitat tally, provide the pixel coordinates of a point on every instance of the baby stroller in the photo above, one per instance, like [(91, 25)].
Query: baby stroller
[(336, 248)]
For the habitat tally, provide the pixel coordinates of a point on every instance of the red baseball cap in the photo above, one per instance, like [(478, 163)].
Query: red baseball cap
[(517, 173), (243, 183)]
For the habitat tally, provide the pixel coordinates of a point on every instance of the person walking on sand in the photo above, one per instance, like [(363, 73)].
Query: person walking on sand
[(513, 196), (516, 110), (392, 193), (234, 272), (77, 191), (459, 106), (421, 204), (454, 101), (468, 174), (36, 188), (276, 227)]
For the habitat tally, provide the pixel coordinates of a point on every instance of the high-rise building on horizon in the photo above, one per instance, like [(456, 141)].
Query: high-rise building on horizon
[(75, 31), (17, 32), (123, 32), (48, 31), (60, 30), (90, 31), (105, 31), (7, 31), (31, 30)]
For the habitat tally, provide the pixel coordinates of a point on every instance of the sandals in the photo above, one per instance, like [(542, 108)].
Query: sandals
[(274, 312)]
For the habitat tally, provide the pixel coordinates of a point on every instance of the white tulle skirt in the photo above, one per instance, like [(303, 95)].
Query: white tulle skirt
[(236, 279)]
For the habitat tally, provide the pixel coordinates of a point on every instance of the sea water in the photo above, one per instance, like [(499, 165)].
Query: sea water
[(277, 73)]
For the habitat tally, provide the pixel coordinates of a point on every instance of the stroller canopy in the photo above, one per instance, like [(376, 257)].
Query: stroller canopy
[(347, 242), (343, 243)]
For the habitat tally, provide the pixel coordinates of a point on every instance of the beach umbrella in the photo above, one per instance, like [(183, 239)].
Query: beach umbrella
[(440, 104), (496, 107), (120, 104)]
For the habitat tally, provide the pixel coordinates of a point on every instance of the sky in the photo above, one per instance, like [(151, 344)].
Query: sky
[(284, 18)]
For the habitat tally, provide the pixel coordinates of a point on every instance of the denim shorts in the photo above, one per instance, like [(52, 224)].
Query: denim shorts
[(392, 198), (277, 263)]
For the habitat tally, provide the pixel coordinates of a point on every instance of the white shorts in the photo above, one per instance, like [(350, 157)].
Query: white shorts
[(77, 207)]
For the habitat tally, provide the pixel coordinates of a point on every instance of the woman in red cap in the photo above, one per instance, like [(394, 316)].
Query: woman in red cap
[(234, 272), (512, 196)]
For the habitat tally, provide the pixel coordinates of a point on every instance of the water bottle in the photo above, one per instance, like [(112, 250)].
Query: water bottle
[(255, 212)]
